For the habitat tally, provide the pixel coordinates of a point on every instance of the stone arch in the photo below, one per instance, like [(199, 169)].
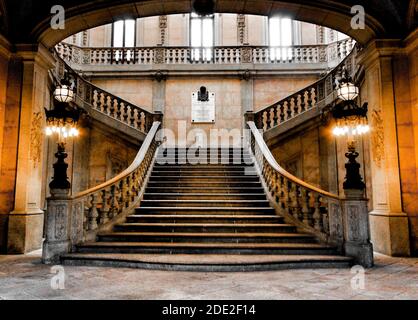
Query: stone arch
[(333, 14)]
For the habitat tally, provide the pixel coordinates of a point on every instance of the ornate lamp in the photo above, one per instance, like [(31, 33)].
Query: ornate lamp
[(62, 122), (351, 121), (64, 92)]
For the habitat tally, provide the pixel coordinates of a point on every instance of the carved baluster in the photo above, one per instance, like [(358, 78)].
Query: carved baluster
[(313, 97), (115, 108), (102, 98), (281, 111), (317, 218), (271, 118), (293, 107), (142, 122), (95, 99), (305, 206), (93, 214), (289, 109), (136, 119), (122, 111), (296, 201), (114, 202), (87, 206), (264, 117), (129, 118), (289, 196), (108, 105), (104, 213), (125, 192), (301, 103)]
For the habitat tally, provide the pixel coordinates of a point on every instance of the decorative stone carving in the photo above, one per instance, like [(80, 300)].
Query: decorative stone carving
[(159, 55), (36, 138), (320, 34), (85, 41), (246, 55), (60, 222), (242, 29), (377, 137), (163, 29)]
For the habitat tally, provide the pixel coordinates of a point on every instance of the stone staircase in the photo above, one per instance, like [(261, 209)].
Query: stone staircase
[(209, 216)]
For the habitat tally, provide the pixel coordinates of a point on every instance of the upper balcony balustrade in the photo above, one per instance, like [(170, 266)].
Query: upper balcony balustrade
[(301, 57)]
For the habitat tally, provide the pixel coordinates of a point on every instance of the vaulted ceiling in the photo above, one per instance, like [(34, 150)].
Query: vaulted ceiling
[(28, 21)]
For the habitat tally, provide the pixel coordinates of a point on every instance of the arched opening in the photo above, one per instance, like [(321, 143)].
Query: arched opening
[(336, 16)]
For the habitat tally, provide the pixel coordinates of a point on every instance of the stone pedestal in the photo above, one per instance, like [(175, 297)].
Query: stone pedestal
[(356, 228), (58, 221)]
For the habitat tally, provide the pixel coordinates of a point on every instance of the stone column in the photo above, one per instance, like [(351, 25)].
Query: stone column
[(25, 223), (247, 93), (388, 222), (6, 141), (158, 92), (356, 228), (58, 222)]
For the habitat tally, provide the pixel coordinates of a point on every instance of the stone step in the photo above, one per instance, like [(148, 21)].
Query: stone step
[(208, 248), (206, 263), (205, 210), (205, 227), (204, 218), (209, 184), (204, 189), (202, 173), (193, 168), (214, 166), (204, 196), (205, 203), (230, 237), (181, 178)]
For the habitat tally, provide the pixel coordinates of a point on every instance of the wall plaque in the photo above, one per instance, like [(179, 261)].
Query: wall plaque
[(203, 106)]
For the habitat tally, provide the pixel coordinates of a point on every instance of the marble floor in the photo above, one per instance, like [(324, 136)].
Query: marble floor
[(24, 277)]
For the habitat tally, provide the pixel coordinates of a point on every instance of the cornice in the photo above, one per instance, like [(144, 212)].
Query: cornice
[(5, 47)]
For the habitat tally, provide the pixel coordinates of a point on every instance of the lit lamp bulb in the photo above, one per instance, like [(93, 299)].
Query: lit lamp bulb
[(347, 91), (64, 93)]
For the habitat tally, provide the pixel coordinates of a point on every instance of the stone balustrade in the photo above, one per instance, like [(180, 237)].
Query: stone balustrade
[(94, 99), (73, 220), (339, 221), (299, 54), (317, 95)]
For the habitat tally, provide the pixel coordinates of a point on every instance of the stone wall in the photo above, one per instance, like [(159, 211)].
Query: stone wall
[(406, 94), (151, 31)]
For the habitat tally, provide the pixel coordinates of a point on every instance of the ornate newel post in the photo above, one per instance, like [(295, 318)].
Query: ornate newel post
[(57, 233), (62, 122), (351, 121), (355, 213)]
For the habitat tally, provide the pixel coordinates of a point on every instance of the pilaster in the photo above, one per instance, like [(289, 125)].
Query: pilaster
[(25, 225), (388, 222)]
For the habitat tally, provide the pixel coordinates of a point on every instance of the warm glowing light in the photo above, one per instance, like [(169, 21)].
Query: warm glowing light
[(351, 127), (64, 93), (347, 91)]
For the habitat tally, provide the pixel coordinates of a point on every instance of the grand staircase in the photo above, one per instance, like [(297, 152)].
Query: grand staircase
[(212, 215)]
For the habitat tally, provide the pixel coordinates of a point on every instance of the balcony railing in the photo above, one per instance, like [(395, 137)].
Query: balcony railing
[(330, 53)]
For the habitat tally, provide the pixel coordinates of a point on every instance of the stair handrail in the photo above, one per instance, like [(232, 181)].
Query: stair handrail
[(311, 208), (90, 97), (316, 95), (99, 208)]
